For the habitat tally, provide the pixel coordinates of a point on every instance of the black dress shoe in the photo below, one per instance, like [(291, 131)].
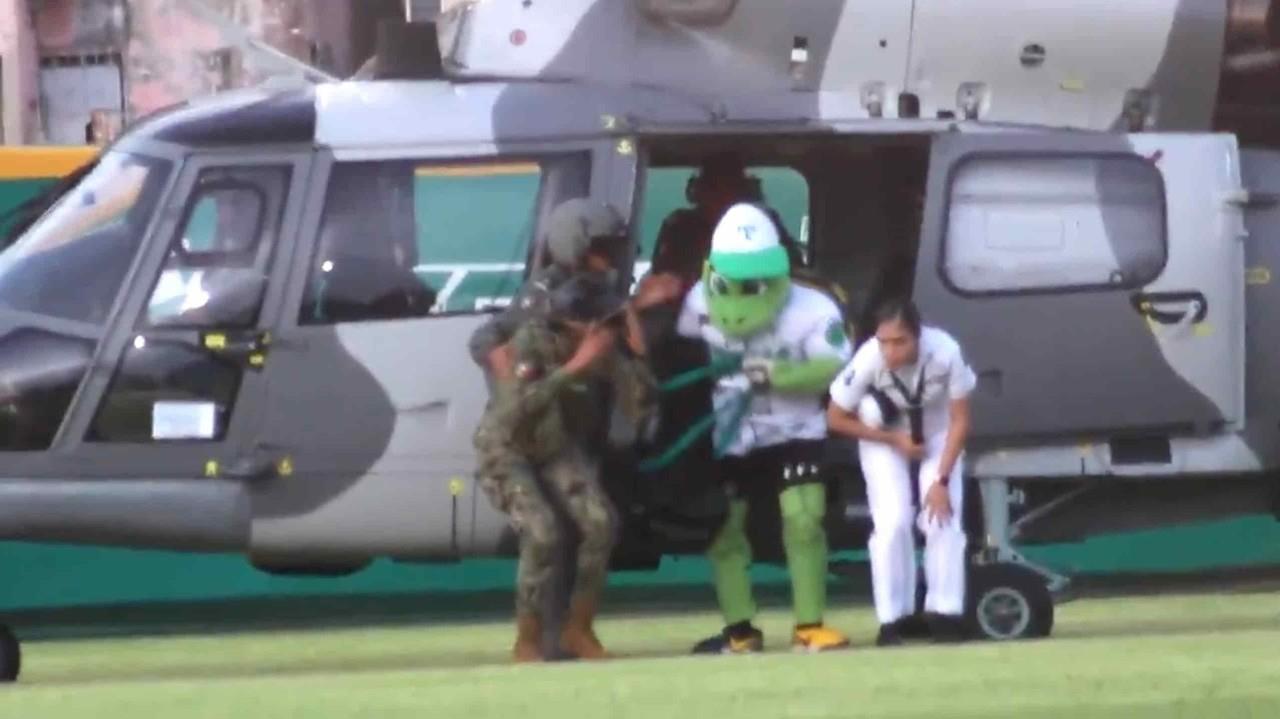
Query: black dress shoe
[(946, 629), (889, 636), (913, 626)]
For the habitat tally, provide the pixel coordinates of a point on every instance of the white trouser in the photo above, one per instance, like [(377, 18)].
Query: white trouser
[(891, 546)]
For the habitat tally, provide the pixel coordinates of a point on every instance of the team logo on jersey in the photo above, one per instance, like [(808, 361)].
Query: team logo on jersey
[(835, 334)]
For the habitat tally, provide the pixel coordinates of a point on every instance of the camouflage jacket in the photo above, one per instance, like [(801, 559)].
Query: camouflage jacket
[(527, 414), (542, 409)]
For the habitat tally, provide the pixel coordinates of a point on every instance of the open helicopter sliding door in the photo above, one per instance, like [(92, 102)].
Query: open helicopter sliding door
[(179, 390), (374, 392), (1261, 171), (1095, 282)]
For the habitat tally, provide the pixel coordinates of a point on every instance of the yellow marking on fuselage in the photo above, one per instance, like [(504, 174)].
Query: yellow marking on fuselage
[(37, 162), (478, 170)]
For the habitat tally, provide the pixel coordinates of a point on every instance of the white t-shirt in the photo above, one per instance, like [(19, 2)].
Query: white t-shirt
[(947, 377), (809, 326)]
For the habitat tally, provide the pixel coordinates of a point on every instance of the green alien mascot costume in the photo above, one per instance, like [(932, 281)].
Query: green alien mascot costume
[(770, 424)]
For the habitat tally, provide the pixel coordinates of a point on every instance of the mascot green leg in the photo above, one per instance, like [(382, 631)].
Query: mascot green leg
[(730, 557), (805, 541)]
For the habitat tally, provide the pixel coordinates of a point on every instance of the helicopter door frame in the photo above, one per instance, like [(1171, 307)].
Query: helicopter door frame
[(400, 481), (1120, 338), (186, 454), (1261, 171)]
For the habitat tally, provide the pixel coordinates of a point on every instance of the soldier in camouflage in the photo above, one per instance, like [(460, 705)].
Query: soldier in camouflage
[(567, 345)]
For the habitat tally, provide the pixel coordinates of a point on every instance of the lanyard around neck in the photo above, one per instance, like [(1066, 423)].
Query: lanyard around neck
[(913, 399)]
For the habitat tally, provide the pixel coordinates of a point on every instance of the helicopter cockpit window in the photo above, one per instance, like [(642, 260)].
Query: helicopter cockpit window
[(402, 239), (215, 273), (71, 263), (1019, 224)]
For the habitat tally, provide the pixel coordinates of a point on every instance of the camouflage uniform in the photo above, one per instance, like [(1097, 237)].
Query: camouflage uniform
[(533, 428), (543, 431)]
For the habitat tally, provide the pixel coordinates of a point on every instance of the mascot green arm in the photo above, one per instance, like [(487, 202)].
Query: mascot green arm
[(808, 377)]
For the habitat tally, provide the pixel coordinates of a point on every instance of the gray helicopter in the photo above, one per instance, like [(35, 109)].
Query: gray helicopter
[(244, 327)]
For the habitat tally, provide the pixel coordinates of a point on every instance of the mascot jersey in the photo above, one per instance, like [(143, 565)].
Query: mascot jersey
[(808, 327)]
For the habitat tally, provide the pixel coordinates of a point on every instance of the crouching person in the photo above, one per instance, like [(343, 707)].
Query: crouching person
[(905, 398), (568, 342)]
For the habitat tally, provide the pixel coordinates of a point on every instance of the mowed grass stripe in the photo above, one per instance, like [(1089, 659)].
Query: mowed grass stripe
[(1206, 655)]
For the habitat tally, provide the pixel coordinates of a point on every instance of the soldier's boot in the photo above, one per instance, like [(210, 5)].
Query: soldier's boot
[(579, 637), (528, 638)]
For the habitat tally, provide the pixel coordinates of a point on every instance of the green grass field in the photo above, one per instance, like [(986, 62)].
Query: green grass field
[(1195, 655)]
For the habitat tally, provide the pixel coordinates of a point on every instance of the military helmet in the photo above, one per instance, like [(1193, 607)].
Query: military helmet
[(575, 225)]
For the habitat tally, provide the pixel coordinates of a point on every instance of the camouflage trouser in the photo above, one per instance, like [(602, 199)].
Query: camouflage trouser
[(572, 479)]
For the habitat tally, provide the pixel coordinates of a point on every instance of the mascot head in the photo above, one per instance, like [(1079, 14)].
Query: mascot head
[(748, 275)]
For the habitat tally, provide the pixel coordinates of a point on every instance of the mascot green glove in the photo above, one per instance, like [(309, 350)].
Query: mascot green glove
[(771, 425)]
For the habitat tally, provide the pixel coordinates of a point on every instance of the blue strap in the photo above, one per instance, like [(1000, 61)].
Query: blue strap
[(734, 426), (740, 404), (727, 364)]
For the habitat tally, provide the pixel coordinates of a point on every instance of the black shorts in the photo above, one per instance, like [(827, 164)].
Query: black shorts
[(768, 471)]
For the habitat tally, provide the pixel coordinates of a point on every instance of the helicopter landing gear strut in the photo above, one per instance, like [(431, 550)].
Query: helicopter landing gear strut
[(1009, 596), (999, 548), (10, 656)]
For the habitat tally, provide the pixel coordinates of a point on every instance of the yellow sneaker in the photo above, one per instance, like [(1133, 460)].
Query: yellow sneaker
[(818, 639)]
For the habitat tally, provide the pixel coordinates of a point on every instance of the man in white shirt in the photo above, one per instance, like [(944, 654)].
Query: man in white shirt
[(905, 397), (770, 426)]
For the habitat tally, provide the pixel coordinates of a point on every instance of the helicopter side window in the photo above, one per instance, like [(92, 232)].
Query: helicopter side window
[(403, 239), (1055, 223), (215, 273)]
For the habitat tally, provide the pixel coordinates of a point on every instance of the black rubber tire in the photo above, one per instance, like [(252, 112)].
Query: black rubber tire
[(1021, 592), (10, 656)]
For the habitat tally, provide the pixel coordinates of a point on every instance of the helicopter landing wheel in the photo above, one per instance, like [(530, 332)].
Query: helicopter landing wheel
[(10, 656), (1008, 601)]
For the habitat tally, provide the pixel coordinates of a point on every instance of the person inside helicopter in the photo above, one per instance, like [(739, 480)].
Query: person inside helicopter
[(684, 241)]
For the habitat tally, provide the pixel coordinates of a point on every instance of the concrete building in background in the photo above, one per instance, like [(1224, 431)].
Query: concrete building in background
[(72, 70), (19, 91)]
